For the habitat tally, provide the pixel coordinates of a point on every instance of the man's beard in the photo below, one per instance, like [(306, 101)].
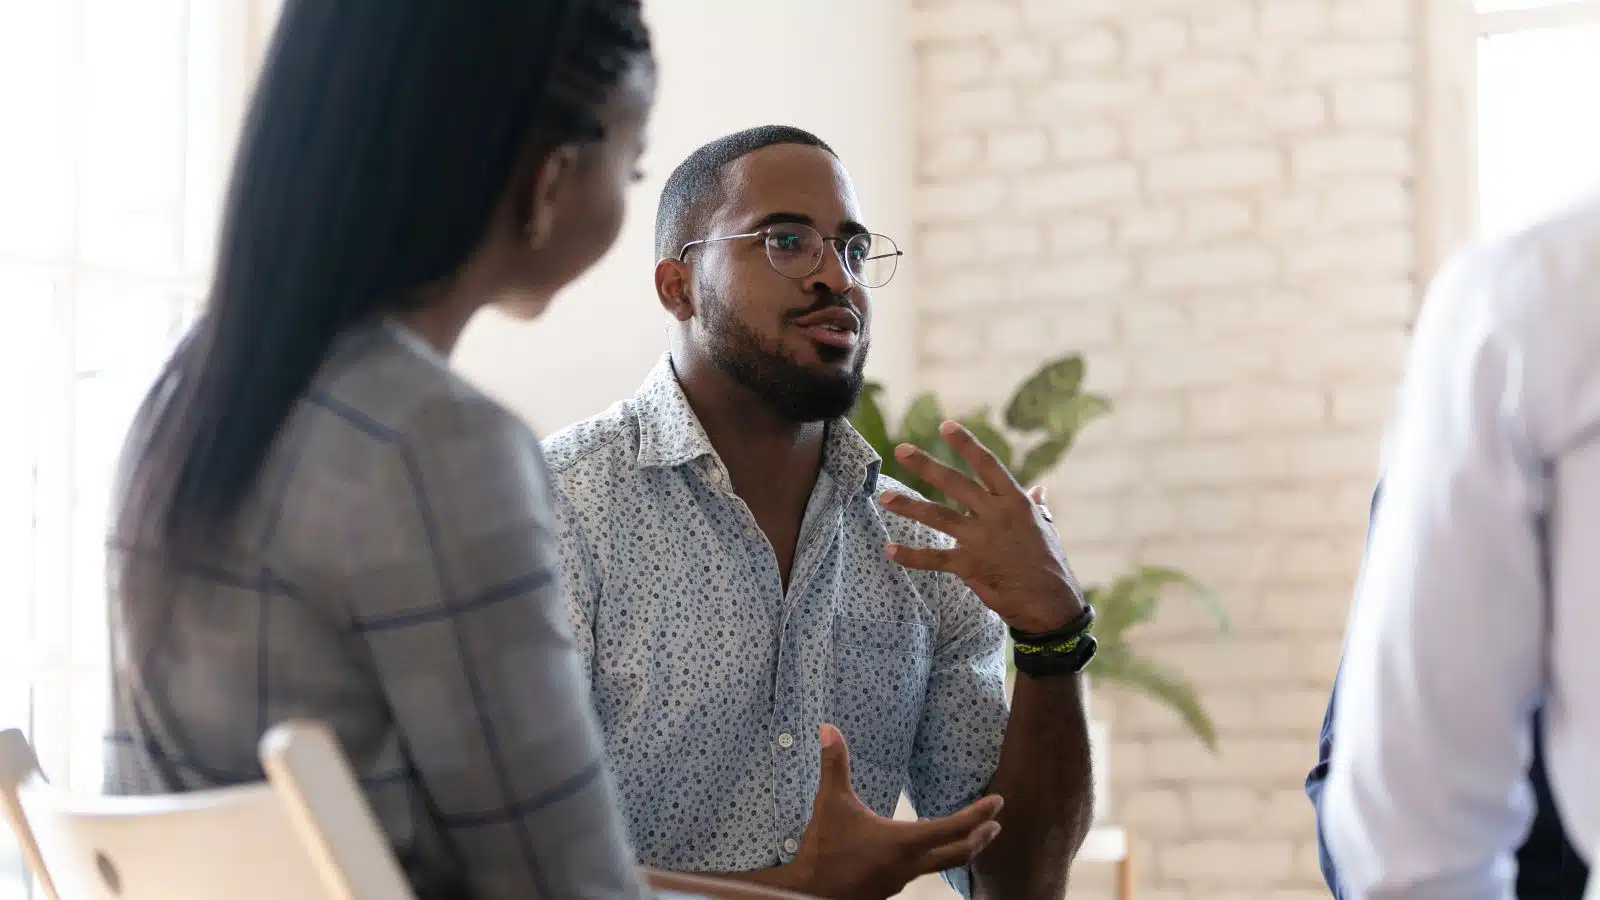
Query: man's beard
[(794, 391)]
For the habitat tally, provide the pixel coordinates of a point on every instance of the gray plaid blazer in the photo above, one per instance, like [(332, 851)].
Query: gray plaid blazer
[(393, 574)]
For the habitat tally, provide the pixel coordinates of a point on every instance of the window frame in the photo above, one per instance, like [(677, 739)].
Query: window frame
[(1554, 15), (62, 675), (1447, 65)]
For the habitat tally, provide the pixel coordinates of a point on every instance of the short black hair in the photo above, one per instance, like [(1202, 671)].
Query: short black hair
[(694, 188)]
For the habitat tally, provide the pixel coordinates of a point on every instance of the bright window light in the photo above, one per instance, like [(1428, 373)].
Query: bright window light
[(1537, 147), (116, 116)]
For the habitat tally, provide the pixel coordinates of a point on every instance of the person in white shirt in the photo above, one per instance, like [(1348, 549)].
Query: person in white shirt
[(1480, 598)]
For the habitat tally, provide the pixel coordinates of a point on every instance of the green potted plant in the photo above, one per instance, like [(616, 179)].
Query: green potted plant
[(1040, 422)]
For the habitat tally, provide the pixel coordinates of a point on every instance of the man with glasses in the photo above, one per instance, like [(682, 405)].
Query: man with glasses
[(753, 597)]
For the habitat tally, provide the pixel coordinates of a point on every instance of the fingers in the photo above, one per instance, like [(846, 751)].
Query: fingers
[(960, 852), (955, 839), (990, 471), (954, 484), (942, 518), (933, 832), (927, 559), (835, 762)]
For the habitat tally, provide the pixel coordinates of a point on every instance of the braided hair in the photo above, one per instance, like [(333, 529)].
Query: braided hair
[(380, 139), (610, 35)]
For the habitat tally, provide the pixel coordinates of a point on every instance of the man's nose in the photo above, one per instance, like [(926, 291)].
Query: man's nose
[(831, 274)]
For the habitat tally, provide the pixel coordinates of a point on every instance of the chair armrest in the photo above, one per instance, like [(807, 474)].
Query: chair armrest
[(717, 888)]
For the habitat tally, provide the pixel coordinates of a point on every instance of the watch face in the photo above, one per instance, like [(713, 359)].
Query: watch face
[(1090, 645)]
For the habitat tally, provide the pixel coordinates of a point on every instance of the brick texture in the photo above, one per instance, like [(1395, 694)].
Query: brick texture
[(1211, 201)]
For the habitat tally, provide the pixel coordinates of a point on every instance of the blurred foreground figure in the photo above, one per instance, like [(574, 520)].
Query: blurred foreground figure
[(1477, 605), (1548, 867), (315, 516)]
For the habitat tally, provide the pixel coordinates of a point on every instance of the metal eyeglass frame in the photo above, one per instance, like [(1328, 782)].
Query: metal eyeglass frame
[(826, 238)]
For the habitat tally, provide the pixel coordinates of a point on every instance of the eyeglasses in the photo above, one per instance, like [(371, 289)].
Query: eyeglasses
[(795, 251)]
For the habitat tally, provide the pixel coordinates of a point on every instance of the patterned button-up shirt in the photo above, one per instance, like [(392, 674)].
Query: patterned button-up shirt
[(711, 679)]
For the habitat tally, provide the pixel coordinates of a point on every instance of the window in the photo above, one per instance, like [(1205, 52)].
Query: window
[(1537, 145), (118, 119)]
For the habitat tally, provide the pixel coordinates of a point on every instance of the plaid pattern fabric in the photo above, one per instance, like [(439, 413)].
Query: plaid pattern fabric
[(711, 676), (392, 574)]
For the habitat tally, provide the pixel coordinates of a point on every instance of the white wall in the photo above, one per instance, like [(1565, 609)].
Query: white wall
[(1216, 203), (838, 68)]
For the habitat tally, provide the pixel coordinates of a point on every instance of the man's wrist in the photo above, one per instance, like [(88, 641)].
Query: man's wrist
[(1047, 619), (1049, 610), (1039, 623)]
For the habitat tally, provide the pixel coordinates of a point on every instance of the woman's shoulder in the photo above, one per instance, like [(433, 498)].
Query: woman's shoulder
[(384, 383)]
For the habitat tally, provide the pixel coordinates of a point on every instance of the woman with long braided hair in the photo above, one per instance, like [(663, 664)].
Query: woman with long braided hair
[(315, 517)]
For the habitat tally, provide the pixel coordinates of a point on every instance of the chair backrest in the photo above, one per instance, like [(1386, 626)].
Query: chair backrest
[(17, 763), (305, 832)]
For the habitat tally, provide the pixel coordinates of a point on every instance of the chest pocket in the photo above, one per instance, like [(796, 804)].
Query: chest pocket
[(880, 672)]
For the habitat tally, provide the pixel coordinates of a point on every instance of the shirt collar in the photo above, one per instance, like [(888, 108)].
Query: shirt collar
[(670, 434)]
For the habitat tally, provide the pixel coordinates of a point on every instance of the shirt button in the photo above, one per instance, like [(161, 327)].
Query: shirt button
[(749, 534), (786, 740), (791, 845)]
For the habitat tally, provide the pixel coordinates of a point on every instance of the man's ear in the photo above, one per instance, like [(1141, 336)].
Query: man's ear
[(552, 177), (672, 289)]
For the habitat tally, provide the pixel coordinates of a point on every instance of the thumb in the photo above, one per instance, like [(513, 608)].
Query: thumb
[(835, 762)]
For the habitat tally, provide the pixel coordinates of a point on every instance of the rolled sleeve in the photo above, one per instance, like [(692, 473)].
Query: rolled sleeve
[(957, 747)]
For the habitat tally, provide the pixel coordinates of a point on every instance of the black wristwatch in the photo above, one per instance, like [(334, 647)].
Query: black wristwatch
[(1061, 651)]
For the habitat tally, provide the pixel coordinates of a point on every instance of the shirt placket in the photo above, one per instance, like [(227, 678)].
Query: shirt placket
[(793, 715), (787, 744), (804, 645)]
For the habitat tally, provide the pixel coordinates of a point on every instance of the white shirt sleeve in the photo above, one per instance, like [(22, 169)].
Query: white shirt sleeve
[(1444, 660)]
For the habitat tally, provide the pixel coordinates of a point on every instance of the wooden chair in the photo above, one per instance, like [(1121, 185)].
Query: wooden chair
[(674, 885), (306, 832)]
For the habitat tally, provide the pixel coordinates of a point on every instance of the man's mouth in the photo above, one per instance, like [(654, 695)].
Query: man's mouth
[(835, 326)]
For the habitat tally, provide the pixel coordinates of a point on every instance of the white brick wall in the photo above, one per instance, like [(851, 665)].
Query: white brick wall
[(1212, 201)]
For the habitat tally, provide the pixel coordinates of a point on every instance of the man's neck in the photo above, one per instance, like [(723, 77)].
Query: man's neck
[(772, 461)]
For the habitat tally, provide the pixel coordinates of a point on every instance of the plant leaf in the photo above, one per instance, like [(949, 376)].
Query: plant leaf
[(1069, 414), (921, 423), (1113, 613), (920, 428), (939, 449), (1042, 457), (1150, 580), (987, 434), (1123, 669), (1134, 598), (867, 418), (1030, 406)]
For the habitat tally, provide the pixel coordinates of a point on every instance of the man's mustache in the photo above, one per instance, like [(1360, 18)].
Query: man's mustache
[(828, 300)]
